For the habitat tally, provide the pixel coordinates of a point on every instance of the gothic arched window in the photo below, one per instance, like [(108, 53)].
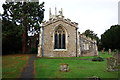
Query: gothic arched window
[(59, 38)]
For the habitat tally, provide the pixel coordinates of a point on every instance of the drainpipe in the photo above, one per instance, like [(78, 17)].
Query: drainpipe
[(94, 49), (76, 42), (42, 41)]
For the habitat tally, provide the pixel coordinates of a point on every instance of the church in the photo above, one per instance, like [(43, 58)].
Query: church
[(59, 37)]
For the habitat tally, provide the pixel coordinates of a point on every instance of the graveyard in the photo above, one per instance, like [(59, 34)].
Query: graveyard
[(82, 45), (79, 67)]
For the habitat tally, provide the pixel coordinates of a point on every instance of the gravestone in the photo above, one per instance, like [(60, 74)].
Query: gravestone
[(94, 78), (103, 51), (109, 51), (117, 56), (112, 64), (64, 67)]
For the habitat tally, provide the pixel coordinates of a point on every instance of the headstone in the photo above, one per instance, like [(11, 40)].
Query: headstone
[(94, 78), (117, 56), (64, 67), (109, 51), (103, 51), (112, 64)]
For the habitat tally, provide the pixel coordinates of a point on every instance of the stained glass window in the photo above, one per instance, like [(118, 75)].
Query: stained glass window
[(59, 38)]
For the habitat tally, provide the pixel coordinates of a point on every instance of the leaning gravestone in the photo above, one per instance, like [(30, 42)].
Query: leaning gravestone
[(112, 64), (64, 67), (109, 51)]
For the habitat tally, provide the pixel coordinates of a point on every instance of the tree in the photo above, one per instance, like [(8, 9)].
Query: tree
[(29, 15), (111, 38), (92, 35), (11, 37)]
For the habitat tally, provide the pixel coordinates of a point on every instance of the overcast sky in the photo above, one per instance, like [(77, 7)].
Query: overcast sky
[(96, 15)]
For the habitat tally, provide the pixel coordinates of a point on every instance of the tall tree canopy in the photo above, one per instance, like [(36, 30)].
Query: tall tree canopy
[(11, 37), (111, 38), (27, 15)]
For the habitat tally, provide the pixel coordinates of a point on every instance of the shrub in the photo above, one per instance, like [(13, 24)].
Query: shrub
[(98, 59), (33, 50)]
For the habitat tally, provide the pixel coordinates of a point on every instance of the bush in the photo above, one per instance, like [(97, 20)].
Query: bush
[(98, 59), (33, 50)]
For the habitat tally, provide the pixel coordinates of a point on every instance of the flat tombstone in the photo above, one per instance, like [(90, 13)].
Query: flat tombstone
[(94, 78), (112, 64), (109, 51), (64, 67)]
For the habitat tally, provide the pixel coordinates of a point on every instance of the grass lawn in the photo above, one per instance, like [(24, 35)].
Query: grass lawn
[(85, 57), (49, 68), (105, 55), (12, 65)]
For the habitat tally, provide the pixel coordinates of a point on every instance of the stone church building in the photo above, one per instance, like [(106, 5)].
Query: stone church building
[(59, 37)]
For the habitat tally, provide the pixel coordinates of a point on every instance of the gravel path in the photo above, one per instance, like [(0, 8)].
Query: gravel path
[(29, 69)]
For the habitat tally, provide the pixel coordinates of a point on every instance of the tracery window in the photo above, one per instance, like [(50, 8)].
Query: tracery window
[(59, 38)]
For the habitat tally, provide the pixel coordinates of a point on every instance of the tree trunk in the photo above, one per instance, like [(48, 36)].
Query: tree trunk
[(24, 42)]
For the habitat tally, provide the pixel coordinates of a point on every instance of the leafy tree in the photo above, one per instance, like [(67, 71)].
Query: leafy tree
[(11, 37), (111, 38), (28, 15), (92, 35)]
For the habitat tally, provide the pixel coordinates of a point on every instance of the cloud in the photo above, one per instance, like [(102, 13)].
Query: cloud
[(96, 15)]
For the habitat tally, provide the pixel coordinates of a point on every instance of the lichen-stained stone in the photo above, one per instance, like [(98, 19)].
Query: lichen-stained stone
[(117, 56), (64, 67), (112, 64)]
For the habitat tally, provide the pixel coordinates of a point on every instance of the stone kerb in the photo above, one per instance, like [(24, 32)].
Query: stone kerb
[(112, 64)]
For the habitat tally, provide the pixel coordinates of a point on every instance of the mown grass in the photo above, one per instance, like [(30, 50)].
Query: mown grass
[(84, 57), (12, 65), (49, 68), (106, 54)]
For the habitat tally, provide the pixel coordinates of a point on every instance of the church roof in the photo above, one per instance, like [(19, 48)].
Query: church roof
[(67, 21)]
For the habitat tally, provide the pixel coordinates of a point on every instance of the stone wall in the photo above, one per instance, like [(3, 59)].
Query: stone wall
[(88, 46), (47, 39), (49, 50)]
